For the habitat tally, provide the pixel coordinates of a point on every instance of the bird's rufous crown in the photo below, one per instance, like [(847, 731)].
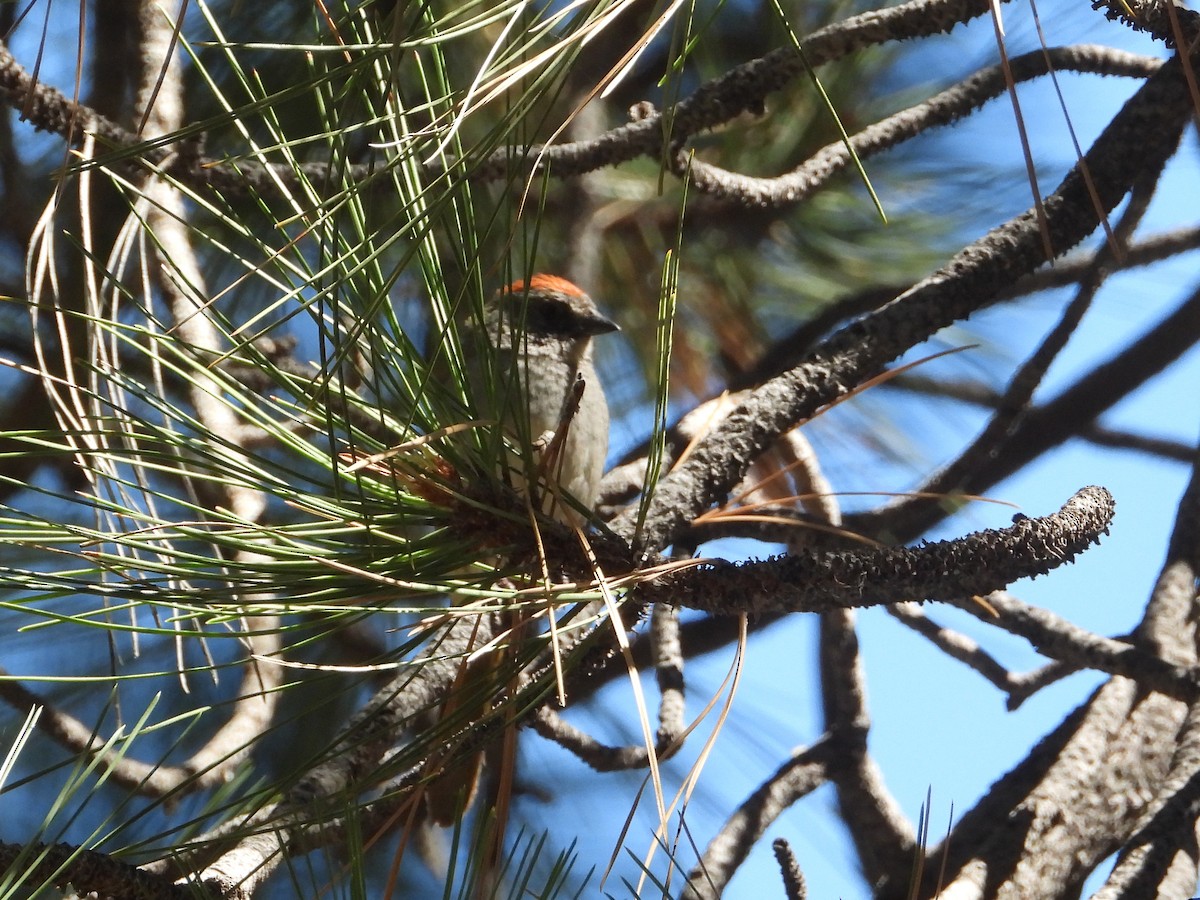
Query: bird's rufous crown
[(550, 283)]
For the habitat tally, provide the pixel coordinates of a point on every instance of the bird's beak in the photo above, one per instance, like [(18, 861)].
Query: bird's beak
[(596, 324)]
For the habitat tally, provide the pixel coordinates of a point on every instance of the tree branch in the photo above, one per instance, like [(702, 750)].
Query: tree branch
[(1142, 135), (946, 570)]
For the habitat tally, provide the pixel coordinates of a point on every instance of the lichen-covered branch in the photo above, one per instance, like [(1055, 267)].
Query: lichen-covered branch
[(946, 570)]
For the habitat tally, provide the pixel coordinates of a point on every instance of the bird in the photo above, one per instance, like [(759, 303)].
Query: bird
[(529, 369), (544, 391)]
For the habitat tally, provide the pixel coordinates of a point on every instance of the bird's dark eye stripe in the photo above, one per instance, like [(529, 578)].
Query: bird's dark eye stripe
[(549, 316)]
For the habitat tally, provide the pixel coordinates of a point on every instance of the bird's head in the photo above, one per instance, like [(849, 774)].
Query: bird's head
[(549, 307)]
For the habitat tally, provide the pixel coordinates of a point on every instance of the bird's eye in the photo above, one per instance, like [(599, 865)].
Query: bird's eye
[(549, 317)]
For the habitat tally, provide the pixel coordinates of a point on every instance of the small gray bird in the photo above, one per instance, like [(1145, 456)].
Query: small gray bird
[(545, 391)]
